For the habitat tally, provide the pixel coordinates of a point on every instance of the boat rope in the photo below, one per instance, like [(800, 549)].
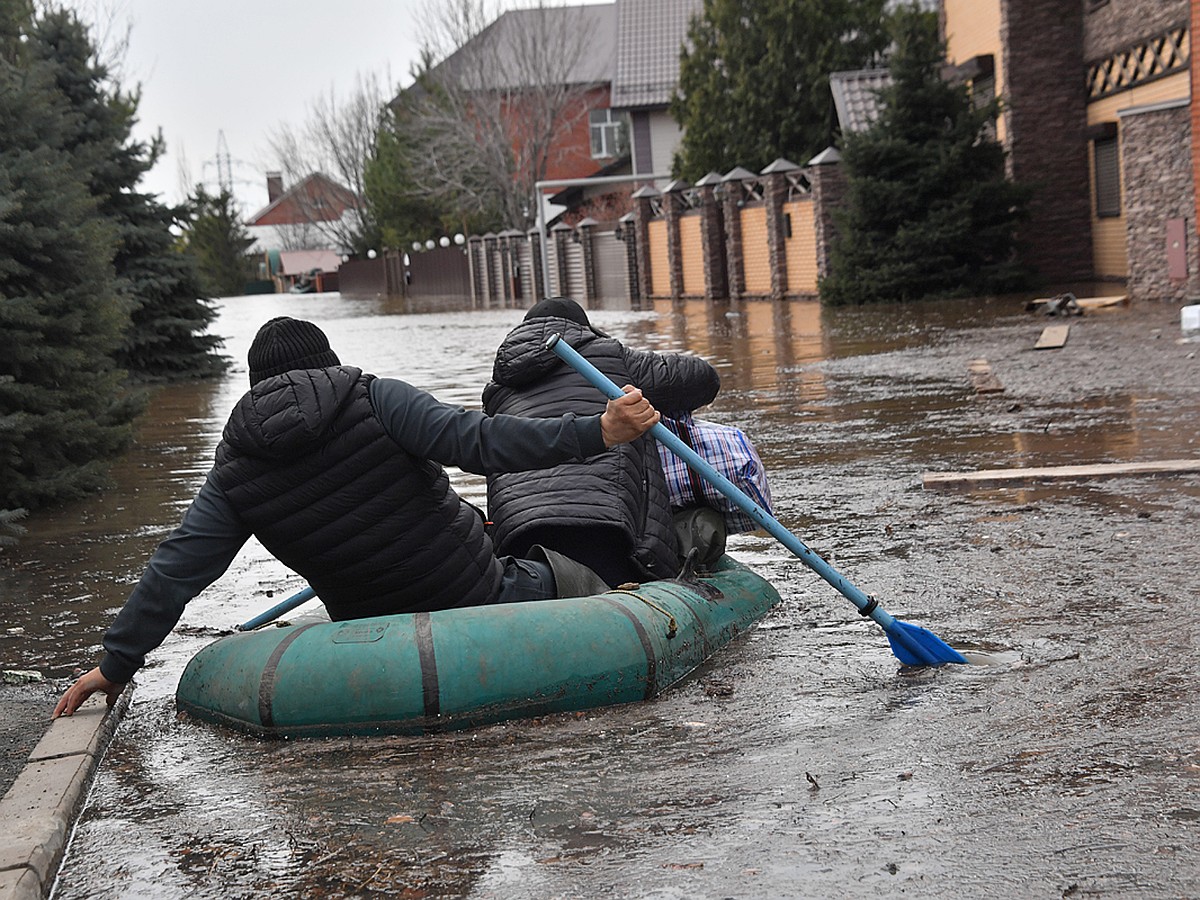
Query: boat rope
[(672, 627)]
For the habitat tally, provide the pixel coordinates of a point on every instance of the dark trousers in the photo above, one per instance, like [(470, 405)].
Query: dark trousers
[(525, 579), (603, 549)]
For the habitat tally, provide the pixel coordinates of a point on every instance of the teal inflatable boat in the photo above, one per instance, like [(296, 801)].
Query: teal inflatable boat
[(459, 668)]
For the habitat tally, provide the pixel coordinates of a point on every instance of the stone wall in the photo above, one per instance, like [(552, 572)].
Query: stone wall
[(1155, 149), (829, 193), (1195, 73), (1119, 24), (1046, 120)]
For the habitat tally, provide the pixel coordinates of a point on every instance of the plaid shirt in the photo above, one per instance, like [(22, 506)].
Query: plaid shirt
[(728, 451)]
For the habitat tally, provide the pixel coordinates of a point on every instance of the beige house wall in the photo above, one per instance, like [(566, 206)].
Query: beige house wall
[(973, 29)]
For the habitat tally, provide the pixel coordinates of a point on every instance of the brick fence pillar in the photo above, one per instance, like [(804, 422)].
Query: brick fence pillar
[(712, 238), (828, 194), (537, 277), (673, 208), (643, 212), (586, 229), (559, 236), (626, 231), (733, 195), (775, 196)]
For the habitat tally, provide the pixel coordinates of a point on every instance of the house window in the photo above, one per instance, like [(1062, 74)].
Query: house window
[(1108, 178), (983, 91), (609, 131)]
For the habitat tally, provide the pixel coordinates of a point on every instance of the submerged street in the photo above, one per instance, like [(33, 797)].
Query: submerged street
[(801, 761)]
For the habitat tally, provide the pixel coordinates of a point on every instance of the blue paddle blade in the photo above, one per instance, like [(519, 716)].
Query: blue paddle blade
[(915, 646)]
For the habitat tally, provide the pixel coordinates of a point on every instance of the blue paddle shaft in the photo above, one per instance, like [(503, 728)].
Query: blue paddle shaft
[(270, 615), (664, 435), (911, 644)]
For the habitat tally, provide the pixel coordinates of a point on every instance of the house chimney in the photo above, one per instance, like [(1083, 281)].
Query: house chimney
[(274, 186)]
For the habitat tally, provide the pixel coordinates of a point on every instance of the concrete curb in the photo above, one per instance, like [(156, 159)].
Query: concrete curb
[(39, 810)]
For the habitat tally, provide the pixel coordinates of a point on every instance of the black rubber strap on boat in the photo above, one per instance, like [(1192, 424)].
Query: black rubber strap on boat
[(266, 684), (429, 676), (647, 647)]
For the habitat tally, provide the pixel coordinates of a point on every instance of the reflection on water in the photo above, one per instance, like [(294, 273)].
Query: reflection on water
[(796, 758)]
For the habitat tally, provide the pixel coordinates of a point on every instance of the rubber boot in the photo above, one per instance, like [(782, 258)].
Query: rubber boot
[(571, 578), (701, 528)]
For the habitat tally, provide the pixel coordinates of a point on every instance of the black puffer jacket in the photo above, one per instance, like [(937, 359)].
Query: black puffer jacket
[(623, 487), (307, 465)]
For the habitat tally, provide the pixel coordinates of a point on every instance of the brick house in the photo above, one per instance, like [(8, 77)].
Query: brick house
[(508, 59), (305, 216), (1098, 118), (302, 232)]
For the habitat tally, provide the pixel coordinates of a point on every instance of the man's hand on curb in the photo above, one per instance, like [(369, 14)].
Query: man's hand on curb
[(87, 685)]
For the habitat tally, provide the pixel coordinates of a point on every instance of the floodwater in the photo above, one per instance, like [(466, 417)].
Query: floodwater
[(802, 761)]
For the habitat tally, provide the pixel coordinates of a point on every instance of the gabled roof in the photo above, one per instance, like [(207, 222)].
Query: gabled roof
[(650, 35), (856, 96), (316, 184), (594, 26)]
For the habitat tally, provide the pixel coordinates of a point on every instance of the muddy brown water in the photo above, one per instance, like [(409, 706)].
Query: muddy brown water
[(801, 761)]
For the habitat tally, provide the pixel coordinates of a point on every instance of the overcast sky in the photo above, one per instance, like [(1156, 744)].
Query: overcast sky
[(241, 67)]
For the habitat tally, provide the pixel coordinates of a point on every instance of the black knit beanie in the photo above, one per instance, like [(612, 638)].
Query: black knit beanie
[(562, 308), (283, 344)]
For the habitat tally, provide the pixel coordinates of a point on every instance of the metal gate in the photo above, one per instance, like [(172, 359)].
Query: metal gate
[(611, 263), (441, 272)]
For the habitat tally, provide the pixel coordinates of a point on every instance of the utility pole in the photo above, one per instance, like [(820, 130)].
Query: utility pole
[(224, 166)]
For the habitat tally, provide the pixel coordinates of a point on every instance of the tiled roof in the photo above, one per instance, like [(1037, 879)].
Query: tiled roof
[(650, 34), (318, 184), (855, 94), (585, 34)]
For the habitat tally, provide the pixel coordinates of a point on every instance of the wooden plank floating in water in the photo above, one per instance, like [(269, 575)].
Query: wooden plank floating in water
[(983, 379), (1018, 477), (1053, 337), (1088, 302)]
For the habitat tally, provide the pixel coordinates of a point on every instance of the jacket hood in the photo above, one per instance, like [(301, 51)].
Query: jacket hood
[(285, 415), (523, 358)]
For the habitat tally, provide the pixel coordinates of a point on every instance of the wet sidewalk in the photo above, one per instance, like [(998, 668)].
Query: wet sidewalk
[(46, 789)]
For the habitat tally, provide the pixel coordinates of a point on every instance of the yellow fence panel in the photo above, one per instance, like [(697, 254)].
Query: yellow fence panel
[(756, 256), (660, 265), (693, 256), (800, 248)]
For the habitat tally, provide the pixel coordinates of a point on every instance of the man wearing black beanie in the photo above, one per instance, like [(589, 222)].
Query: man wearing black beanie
[(339, 474)]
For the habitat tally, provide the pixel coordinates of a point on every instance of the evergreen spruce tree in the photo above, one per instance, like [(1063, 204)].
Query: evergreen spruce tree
[(754, 85), (167, 339), (168, 318), (929, 211), (402, 209), (63, 412), (217, 242)]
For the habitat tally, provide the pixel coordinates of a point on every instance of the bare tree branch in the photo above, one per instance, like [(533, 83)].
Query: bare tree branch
[(488, 117), (338, 140)]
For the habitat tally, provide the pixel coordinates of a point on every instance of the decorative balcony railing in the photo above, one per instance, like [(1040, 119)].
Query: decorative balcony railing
[(1154, 58)]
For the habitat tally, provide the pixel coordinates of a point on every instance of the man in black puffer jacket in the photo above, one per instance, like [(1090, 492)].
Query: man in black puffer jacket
[(612, 511), (339, 475)]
